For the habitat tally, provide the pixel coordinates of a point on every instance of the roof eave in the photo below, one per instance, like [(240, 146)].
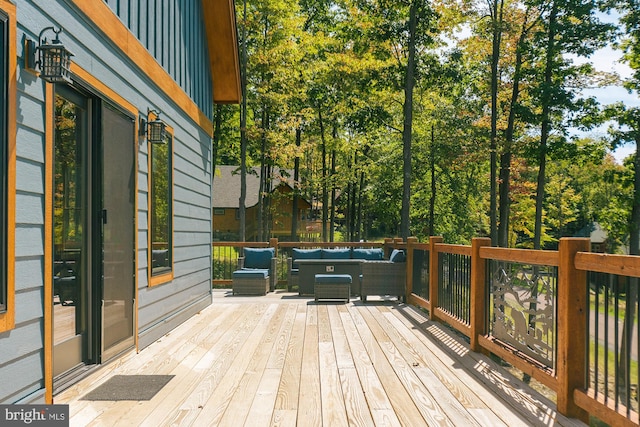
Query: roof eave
[(222, 38)]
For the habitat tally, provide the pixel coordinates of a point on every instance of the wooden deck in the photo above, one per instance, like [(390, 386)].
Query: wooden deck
[(284, 360)]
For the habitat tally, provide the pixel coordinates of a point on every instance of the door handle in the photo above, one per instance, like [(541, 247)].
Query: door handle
[(104, 216)]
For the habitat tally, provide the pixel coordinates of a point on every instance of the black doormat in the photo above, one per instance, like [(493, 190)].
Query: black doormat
[(129, 387)]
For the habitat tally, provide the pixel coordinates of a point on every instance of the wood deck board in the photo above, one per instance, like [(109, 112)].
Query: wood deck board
[(284, 360), (446, 402), (515, 402), (309, 404), (289, 387), (418, 394), (240, 394), (201, 371)]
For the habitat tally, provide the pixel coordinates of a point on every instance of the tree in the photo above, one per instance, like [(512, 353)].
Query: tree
[(243, 129), (569, 27)]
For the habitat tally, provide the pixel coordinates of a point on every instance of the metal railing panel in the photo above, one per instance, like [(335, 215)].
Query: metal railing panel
[(523, 301)]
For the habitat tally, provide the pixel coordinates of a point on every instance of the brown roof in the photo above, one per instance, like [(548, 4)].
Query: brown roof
[(226, 185)]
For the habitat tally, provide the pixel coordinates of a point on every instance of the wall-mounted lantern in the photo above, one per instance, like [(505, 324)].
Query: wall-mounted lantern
[(154, 129), (54, 60)]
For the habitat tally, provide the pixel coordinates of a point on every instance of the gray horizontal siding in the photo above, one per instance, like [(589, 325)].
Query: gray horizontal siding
[(162, 307), (21, 349), (22, 378)]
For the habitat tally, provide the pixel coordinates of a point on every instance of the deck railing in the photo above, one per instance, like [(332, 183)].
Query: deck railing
[(568, 318)]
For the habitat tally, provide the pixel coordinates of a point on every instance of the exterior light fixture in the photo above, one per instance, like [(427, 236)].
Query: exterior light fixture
[(156, 129), (54, 60)]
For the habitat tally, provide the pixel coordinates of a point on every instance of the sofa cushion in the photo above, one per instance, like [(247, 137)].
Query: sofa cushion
[(373, 254), (342, 253), (297, 254), (258, 257), (397, 255)]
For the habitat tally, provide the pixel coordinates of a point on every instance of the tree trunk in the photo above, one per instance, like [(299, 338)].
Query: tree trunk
[(634, 239), (546, 125), (631, 299), (544, 136), (325, 193), (332, 224), (262, 220), (493, 144), (243, 131), (296, 189), (432, 198), (354, 190), (405, 229), (360, 228), (505, 157), (217, 131)]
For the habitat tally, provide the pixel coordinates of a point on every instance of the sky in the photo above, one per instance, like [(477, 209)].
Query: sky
[(608, 59)]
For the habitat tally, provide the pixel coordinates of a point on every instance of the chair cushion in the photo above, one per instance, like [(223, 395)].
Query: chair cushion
[(258, 257), (343, 253), (333, 278), (373, 254), (256, 273), (397, 255)]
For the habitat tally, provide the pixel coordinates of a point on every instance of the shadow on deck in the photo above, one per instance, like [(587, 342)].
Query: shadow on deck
[(283, 360)]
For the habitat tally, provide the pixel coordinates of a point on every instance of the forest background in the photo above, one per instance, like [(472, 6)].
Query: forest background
[(452, 118)]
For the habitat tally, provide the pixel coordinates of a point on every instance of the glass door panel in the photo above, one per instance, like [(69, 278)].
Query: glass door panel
[(69, 231), (118, 231)]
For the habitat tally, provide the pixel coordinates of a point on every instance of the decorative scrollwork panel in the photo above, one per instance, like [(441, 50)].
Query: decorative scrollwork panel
[(523, 309)]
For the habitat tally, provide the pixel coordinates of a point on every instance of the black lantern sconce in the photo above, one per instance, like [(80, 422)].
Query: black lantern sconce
[(154, 129), (54, 60)]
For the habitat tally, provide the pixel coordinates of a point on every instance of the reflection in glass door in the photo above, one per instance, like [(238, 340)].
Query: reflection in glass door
[(93, 233), (71, 243)]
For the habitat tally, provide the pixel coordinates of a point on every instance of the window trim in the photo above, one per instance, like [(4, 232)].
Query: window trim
[(158, 279), (7, 317)]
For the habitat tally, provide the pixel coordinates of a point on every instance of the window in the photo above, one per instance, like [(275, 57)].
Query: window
[(161, 232), (218, 211), (7, 163)]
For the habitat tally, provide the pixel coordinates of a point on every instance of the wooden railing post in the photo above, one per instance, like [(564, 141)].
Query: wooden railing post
[(572, 326), (386, 246), (411, 241), (273, 243), (478, 292), (433, 275)]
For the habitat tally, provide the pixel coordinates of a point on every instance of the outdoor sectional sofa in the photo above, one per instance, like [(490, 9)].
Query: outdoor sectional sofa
[(304, 264)]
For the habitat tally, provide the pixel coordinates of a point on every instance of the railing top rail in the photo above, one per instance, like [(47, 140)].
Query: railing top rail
[(453, 249), (330, 244), (421, 246), (623, 265), (523, 256), (242, 244)]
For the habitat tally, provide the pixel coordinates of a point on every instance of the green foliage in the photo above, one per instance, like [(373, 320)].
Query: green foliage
[(334, 72)]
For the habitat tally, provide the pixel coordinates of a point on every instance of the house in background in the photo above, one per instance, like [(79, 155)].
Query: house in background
[(105, 187), (226, 202), (598, 236)]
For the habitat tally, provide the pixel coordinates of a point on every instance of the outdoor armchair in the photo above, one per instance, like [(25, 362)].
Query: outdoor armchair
[(260, 259), (384, 277)]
